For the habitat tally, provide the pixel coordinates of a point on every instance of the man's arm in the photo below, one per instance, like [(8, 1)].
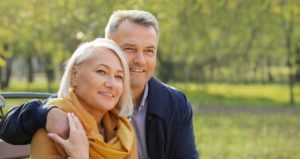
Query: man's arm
[(20, 123)]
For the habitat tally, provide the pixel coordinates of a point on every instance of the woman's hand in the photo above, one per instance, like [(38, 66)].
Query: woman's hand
[(77, 145)]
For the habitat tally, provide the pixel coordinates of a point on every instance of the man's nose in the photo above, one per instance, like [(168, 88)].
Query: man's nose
[(139, 58)]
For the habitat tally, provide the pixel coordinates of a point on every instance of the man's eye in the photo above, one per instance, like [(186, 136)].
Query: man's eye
[(149, 52), (130, 50)]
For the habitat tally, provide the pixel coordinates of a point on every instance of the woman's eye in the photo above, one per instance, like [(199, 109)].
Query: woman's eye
[(119, 77), (101, 71)]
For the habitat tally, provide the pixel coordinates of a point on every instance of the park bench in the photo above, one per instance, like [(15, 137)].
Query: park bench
[(16, 151)]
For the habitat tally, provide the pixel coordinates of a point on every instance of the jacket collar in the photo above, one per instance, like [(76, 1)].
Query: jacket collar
[(156, 95)]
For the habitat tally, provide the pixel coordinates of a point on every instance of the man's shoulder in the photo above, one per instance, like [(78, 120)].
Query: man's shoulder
[(165, 89), (167, 101), (167, 98)]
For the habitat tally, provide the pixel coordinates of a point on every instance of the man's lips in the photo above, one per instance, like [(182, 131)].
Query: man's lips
[(135, 70)]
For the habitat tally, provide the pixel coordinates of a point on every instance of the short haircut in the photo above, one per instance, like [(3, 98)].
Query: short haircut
[(125, 103), (136, 16)]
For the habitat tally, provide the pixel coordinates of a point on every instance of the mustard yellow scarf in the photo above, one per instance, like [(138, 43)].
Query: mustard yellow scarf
[(119, 141)]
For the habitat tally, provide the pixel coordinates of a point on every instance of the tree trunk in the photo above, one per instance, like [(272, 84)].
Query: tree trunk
[(297, 65), (8, 71), (269, 72), (255, 70), (30, 75), (247, 50), (290, 65), (1, 76), (287, 25), (49, 71)]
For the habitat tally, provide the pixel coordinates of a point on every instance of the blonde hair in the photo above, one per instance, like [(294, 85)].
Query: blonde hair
[(136, 16), (125, 103)]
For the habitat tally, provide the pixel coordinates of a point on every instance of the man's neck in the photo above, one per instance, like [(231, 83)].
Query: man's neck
[(137, 94)]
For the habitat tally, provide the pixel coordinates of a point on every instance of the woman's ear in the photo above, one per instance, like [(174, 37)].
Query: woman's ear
[(74, 77)]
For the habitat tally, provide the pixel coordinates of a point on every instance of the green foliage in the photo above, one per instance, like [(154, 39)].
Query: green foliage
[(244, 37), (201, 40), (198, 37), (2, 62), (245, 136)]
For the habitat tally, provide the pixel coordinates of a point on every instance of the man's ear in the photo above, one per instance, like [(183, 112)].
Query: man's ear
[(74, 77)]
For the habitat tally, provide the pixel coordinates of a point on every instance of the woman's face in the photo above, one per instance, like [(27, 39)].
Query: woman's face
[(98, 80)]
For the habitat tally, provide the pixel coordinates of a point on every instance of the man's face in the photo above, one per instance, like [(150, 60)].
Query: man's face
[(140, 45)]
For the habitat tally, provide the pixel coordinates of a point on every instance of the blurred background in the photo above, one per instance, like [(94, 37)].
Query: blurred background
[(238, 61)]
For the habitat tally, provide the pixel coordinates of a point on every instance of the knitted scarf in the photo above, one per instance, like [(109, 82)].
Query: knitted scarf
[(119, 140)]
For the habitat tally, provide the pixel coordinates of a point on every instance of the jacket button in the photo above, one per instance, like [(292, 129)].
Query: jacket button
[(149, 117)]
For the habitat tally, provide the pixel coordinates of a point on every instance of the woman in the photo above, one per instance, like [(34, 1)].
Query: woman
[(95, 87)]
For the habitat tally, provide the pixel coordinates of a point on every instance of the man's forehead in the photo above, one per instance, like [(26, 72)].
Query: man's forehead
[(128, 25), (135, 36)]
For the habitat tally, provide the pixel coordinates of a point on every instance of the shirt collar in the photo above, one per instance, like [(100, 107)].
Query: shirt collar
[(144, 99)]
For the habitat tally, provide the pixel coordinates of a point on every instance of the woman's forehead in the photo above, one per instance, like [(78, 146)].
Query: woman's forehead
[(103, 56)]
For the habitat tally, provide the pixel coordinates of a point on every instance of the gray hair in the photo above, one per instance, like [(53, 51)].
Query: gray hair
[(136, 16), (125, 103)]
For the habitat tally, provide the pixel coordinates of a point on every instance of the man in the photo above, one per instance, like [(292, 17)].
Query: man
[(162, 118)]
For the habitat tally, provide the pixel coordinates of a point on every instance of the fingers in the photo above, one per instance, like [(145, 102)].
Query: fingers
[(77, 141), (75, 124), (60, 141), (60, 150), (71, 121), (78, 124)]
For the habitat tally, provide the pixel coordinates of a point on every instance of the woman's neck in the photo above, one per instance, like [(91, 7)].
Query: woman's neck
[(96, 113)]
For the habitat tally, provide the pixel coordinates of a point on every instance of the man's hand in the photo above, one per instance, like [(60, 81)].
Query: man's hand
[(57, 123), (77, 145)]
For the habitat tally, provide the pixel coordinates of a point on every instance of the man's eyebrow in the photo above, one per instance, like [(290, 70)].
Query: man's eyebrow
[(150, 47), (132, 45), (127, 45)]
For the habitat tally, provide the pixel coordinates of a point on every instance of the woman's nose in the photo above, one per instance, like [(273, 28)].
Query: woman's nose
[(110, 82)]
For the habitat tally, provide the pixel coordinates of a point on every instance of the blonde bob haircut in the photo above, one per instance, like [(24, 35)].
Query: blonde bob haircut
[(125, 104)]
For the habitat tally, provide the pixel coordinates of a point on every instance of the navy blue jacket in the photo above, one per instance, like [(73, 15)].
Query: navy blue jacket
[(169, 128)]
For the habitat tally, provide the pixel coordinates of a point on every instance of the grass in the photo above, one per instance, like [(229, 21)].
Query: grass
[(244, 136), (238, 94), (32, 87)]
